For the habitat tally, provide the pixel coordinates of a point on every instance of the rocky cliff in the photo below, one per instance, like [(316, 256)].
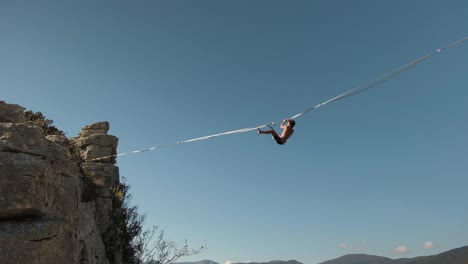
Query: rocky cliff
[(56, 204)]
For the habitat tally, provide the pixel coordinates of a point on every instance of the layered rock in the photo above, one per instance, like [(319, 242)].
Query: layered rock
[(55, 197)]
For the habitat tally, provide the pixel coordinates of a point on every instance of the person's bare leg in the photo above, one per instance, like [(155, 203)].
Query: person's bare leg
[(272, 132)]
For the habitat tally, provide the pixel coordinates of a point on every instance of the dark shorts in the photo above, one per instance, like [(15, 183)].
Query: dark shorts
[(278, 139)]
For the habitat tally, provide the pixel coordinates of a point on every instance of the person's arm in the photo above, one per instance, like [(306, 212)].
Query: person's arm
[(282, 124)]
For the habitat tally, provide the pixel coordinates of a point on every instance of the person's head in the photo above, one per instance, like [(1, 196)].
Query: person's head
[(291, 122)]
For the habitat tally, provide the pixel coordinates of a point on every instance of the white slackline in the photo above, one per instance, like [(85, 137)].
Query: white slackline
[(361, 88)]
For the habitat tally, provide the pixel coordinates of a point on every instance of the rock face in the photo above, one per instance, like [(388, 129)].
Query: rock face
[(56, 201)]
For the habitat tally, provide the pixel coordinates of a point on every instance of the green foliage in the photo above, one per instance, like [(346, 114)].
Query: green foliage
[(138, 245), (118, 192), (40, 120), (126, 226)]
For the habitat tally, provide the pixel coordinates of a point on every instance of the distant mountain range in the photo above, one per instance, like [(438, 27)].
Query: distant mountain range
[(199, 262), (271, 262), (454, 256), (358, 259)]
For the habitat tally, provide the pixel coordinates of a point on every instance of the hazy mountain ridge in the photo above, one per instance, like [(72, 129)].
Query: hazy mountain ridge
[(199, 262), (454, 256), (270, 262), (358, 259), (273, 262)]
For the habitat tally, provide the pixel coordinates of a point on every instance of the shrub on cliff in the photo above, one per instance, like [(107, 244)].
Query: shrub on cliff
[(40, 120), (126, 226), (157, 250), (140, 245)]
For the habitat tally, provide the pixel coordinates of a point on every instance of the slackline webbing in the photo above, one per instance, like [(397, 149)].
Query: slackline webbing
[(361, 88)]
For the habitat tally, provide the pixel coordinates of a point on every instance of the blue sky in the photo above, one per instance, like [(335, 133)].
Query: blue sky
[(379, 171)]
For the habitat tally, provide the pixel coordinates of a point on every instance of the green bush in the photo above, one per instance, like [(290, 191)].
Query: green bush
[(127, 225), (40, 120)]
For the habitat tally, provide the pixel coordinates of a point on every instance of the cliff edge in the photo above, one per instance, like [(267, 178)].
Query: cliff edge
[(56, 206)]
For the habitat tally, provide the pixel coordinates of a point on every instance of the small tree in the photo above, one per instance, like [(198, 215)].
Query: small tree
[(156, 250), (141, 246)]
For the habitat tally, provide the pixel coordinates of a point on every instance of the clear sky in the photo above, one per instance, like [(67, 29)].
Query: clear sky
[(379, 171)]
